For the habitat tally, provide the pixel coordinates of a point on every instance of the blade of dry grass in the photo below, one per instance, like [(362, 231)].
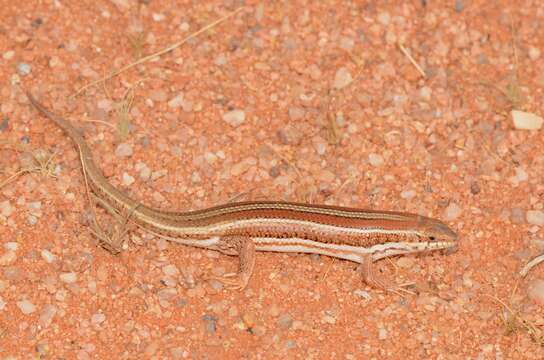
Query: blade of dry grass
[(158, 53), (412, 61)]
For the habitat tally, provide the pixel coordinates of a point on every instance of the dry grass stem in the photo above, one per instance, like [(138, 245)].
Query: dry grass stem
[(512, 322), (158, 53), (41, 162), (411, 59), (123, 110)]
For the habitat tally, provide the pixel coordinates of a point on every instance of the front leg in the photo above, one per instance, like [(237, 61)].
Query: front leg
[(370, 277), (244, 248)]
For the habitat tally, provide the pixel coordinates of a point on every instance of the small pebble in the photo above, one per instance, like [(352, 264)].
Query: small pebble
[(48, 256), (210, 323), (104, 104), (534, 53), (32, 220), (382, 333), (220, 60), (452, 212), (8, 55), (285, 321), (123, 150), (11, 245), (98, 318), (47, 315), (296, 113), (155, 175), (384, 18), (144, 173), (6, 209), (517, 215), (362, 294), (167, 294), (521, 174), (68, 277), (536, 290), (375, 160), (23, 69), (235, 117), (526, 121), (158, 17), (459, 5), (2, 304), (8, 258), (126, 179), (170, 270), (175, 102), (535, 217), (26, 307), (158, 95), (342, 78), (408, 194)]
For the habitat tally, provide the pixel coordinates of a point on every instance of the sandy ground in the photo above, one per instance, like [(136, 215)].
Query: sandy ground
[(400, 106)]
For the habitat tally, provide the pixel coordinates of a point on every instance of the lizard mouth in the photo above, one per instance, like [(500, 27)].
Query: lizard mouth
[(400, 248)]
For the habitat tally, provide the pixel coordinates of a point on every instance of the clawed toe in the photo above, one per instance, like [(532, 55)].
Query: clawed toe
[(231, 281)]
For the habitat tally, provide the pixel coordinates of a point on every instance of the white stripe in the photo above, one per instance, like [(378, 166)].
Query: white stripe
[(224, 227), (347, 252), (202, 243)]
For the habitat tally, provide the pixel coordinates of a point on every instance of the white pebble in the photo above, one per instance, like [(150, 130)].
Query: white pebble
[(452, 212), (536, 290), (362, 294), (375, 159), (535, 217), (235, 117), (98, 318), (210, 157), (176, 101), (32, 220), (104, 104), (48, 256), (296, 113), (5, 208), (220, 59), (47, 315), (170, 270), (408, 194), (534, 53), (425, 93), (23, 69), (521, 174), (11, 245), (123, 150), (69, 277), (526, 121), (158, 17), (8, 258), (127, 179), (8, 55), (26, 307), (384, 18), (342, 78), (195, 177)]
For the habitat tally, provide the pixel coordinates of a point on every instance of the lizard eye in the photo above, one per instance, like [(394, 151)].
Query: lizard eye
[(432, 238)]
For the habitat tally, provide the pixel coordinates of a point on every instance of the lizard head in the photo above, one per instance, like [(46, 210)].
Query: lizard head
[(437, 235)]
